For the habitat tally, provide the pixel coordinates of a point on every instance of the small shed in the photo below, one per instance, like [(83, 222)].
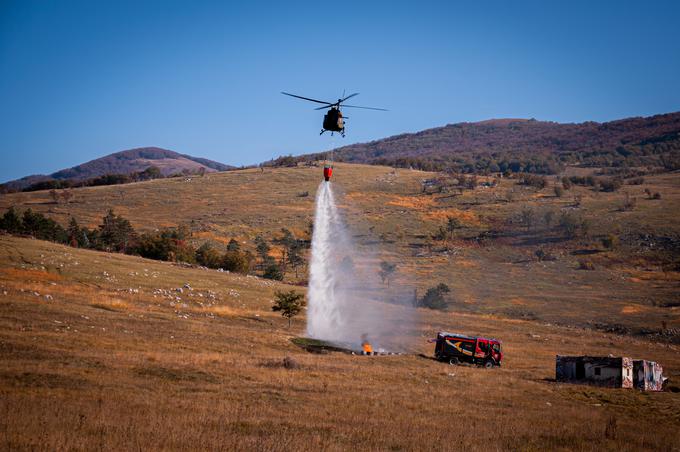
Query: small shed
[(613, 372), (610, 371)]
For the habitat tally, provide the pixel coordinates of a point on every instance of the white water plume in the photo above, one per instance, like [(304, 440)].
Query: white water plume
[(346, 300)]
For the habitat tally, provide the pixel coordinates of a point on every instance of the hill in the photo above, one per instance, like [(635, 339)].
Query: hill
[(527, 145), (126, 162)]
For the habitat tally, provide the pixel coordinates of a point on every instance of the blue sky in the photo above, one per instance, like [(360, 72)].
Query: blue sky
[(82, 79)]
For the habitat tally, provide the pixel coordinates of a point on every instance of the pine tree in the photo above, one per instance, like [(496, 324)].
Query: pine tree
[(74, 233), (11, 222), (289, 304)]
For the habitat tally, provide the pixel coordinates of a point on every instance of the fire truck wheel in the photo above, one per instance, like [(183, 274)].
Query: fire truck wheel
[(453, 361), (488, 364)]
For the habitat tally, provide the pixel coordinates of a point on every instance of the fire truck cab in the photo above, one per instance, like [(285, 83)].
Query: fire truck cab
[(456, 348)]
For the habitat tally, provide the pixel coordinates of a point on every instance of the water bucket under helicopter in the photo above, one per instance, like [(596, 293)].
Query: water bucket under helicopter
[(327, 172)]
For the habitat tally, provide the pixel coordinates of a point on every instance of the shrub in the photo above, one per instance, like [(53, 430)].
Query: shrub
[(559, 191), (540, 254), (434, 297), (533, 180), (610, 241), (656, 195), (272, 270), (387, 272), (167, 245), (569, 224), (543, 255), (527, 217), (610, 184), (452, 224), (285, 160), (236, 261), (207, 256), (585, 265), (290, 363), (233, 245)]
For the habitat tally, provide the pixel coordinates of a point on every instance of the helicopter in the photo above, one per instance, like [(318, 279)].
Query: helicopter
[(333, 120)]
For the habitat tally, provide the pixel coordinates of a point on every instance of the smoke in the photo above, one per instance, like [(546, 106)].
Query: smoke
[(347, 298)]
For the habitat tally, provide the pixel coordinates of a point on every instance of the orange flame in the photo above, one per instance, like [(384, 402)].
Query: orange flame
[(367, 347)]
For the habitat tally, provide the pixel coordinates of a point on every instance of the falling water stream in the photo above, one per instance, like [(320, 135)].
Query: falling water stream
[(346, 300), (325, 318)]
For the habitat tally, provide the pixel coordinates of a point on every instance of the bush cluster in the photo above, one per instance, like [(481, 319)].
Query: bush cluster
[(150, 173), (532, 180), (116, 234), (34, 224), (601, 183)]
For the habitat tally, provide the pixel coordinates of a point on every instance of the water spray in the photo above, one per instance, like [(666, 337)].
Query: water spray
[(347, 304)]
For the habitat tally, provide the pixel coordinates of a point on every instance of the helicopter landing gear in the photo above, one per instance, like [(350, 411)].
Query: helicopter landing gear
[(322, 131)]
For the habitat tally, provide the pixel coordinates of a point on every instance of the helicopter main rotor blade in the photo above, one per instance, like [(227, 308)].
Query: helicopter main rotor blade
[(365, 108), (348, 97), (307, 98), (326, 106)]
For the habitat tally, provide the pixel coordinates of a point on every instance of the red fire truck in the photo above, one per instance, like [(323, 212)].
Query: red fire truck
[(456, 348)]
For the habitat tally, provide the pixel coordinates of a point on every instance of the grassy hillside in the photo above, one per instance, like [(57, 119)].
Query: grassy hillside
[(490, 262), (102, 351)]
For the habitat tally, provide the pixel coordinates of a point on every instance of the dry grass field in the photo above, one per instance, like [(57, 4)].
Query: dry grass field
[(101, 351), (490, 263)]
